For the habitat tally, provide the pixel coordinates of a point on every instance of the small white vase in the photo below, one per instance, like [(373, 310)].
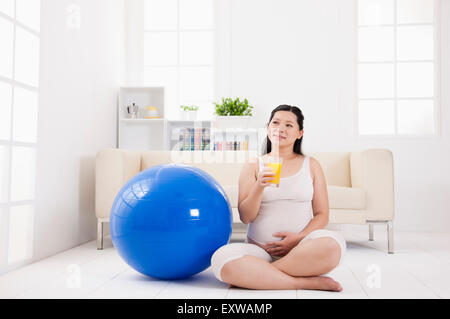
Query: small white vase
[(191, 115), (224, 122), (188, 115)]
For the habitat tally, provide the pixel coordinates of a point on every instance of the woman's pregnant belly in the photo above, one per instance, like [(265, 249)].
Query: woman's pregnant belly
[(279, 216)]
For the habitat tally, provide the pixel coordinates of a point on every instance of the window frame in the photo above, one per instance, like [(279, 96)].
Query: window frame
[(6, 207), (437, 79), (135, 65)]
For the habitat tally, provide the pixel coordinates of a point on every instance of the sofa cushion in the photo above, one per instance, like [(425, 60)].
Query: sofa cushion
[(225, 166), (225, 173), (348, 216), (336, 167), (346, 197), (232, 192)]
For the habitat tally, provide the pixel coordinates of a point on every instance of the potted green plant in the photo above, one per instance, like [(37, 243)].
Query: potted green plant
[(188, 112), (232, 113)]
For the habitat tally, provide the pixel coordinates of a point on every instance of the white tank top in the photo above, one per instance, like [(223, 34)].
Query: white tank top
[(284, 208)]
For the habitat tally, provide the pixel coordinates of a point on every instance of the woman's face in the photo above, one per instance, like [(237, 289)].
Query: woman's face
[(283, 129)]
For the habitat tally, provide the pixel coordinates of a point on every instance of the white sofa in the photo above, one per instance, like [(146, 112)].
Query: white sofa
[(360, 184)]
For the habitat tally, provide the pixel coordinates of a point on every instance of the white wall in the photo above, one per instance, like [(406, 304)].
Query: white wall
[(303, 53), (80, 74)]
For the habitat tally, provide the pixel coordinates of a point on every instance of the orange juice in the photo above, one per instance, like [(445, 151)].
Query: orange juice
[(276, 167)]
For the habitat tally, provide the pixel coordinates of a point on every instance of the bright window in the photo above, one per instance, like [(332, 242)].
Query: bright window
[(397, 67), (6, 53), (179, 52), (19, 96)]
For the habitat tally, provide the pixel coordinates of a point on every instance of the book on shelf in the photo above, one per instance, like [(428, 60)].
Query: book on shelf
[(200, 139), (194, 139), (231, 144)]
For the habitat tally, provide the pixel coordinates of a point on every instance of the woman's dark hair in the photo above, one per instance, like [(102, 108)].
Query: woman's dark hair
[(267, 145)]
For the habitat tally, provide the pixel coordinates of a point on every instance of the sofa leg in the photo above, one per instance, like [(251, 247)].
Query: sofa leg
[(390, 231), (371, 232), (99, 234)]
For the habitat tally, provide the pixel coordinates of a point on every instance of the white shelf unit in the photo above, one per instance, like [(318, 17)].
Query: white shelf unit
[(141, 133), (163, 134), (142, 120)]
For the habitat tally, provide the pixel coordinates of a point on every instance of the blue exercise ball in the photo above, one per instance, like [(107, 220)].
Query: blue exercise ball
[(167, 221)]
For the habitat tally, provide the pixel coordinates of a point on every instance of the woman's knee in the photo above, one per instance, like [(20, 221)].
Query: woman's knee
[(327, 250), (332, 251), (224, 255), (231, 252), (336, 240), (227, 270)]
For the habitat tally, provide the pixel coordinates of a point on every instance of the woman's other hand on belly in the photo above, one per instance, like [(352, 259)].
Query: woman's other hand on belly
[(282, 247)]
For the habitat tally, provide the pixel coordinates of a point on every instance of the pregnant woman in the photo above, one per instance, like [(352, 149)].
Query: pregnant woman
[(287, 246)]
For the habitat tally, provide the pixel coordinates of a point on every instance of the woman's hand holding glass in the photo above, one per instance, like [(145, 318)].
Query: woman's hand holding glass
[(264, 176)]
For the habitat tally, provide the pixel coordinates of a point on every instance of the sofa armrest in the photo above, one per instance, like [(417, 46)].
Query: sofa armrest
[(113, 168), (373, 171)]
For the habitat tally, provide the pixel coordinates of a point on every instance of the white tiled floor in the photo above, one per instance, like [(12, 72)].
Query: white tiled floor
[(418, 269)]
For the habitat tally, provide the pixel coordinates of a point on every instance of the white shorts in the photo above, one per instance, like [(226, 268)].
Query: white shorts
[(234, 251)]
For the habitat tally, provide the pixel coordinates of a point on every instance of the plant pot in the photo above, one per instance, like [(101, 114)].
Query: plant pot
[(191, 115), (188, 115), (224, 122)]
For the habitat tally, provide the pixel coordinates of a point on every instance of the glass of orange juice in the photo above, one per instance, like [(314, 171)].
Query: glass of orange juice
[(275, 164)]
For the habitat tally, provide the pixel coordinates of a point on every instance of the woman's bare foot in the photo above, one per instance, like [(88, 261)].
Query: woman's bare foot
[(313, 283), (319, 283)]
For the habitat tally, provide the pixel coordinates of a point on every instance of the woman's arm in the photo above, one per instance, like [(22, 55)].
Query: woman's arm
[(251, 190)]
